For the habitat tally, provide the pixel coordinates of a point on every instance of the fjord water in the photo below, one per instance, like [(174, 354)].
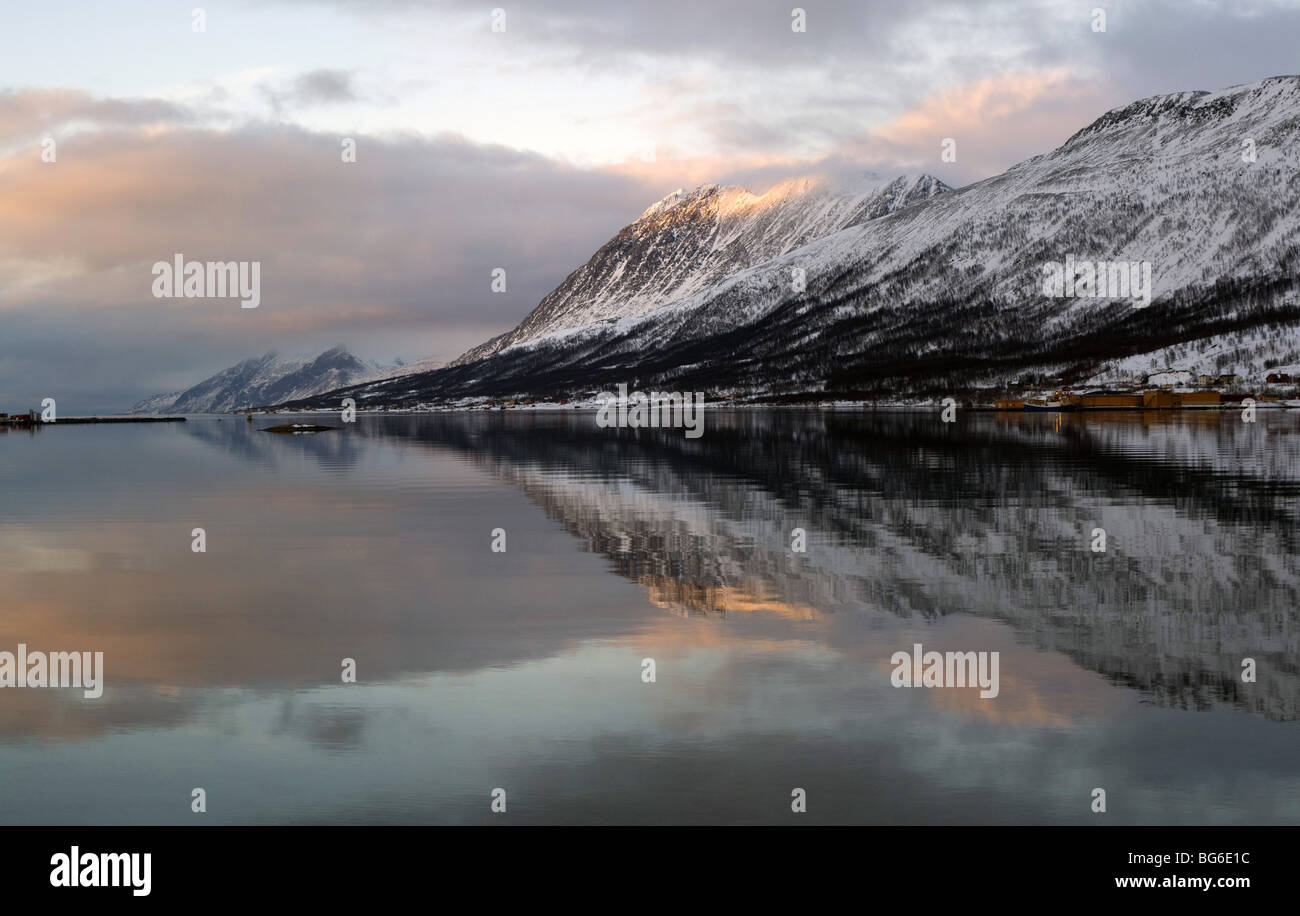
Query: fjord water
[(523, 669)]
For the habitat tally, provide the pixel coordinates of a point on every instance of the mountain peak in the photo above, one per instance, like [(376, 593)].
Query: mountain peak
[(718, 200), (682, 204), (663, 203), (908, 289), (689, 241), (264, 380), (1234, 106)]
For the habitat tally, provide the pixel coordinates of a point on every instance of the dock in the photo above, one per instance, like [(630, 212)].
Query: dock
[(33, 419)]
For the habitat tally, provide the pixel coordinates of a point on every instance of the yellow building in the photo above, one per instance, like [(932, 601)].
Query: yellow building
[(1110, 401), (1197, 399)]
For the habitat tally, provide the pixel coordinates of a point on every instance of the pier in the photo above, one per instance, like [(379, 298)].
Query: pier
[(33, 419)]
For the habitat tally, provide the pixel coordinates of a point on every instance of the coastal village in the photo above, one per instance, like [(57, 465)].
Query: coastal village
[(1171, 389), (30, 418), (1167, 390)]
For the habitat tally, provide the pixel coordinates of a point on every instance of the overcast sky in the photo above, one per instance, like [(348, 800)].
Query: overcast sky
[(523, 149)]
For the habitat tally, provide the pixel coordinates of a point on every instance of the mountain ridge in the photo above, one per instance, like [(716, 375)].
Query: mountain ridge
[(262, 380), (710, 233), (945, 294)]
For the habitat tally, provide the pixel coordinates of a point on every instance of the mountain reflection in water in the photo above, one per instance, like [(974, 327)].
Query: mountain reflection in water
[(522, 669)]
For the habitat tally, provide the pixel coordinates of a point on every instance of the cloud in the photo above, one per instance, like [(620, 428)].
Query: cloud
[(32, 113), (308, 90), (322, 86), (400, 243), (392, 254), (732, 78), (993, 122)]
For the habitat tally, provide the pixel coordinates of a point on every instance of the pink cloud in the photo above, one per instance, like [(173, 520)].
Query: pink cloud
[(996, 122)]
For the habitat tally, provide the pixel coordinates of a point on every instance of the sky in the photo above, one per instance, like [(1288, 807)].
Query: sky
[(521, 138)]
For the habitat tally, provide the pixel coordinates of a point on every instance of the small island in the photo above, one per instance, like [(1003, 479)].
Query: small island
[(295, 428)]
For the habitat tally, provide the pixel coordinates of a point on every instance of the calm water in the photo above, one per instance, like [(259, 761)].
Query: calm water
[(522, 669)]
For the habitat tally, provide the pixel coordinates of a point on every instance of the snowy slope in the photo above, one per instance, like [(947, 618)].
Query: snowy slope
[(159, 403), (1160, 181), (687, 243), (943, 295)]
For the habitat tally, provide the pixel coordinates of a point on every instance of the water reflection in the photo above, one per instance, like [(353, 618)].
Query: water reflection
[(480, 669), (993, 518)]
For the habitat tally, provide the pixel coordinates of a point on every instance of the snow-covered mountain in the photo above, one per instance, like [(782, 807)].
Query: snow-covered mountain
[(687, 243), (159, 403), (909, 291), (403, 369), (265, 380)]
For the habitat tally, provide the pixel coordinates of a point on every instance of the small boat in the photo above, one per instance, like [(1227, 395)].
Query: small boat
[(1035, 405)]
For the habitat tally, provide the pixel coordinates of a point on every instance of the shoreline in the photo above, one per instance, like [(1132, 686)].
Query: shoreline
[(28, 424), (890, 408)]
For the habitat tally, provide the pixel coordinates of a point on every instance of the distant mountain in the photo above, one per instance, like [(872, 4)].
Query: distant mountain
[(403, 369), (159, 403), (263, 381), (914, 291)]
